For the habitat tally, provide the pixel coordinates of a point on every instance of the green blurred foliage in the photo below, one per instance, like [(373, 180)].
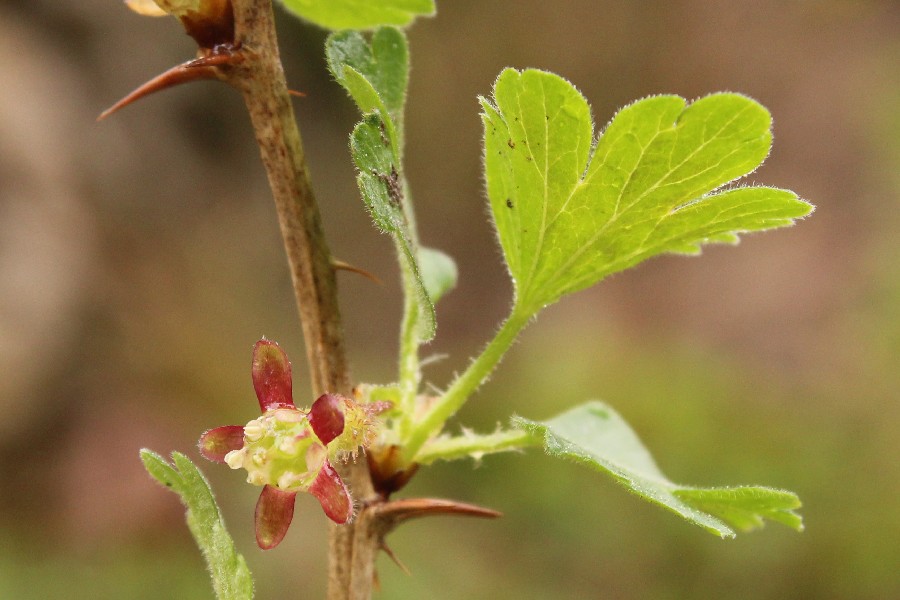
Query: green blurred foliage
[(140, 260)]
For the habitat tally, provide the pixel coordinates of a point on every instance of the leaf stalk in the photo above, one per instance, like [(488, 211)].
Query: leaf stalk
[(475, 446), (463, 386)]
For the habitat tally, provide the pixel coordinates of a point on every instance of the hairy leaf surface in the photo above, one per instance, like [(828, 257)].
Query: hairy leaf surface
[(230, 576), (570, 211), (594, 435), (375, 74)]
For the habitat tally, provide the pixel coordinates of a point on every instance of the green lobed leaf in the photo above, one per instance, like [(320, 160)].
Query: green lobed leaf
[(229, 572), (594, 435), (359, 14), (569, 212), (375, 74)]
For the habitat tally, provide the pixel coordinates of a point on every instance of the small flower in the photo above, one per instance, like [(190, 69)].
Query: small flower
[(288, 450)]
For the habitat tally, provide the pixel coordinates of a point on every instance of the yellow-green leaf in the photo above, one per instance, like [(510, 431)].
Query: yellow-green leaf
[(359, 14), (594, 435), (571, 210)]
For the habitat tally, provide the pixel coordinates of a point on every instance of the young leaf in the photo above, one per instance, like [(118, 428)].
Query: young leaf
[(230, 576), (359, 14), (569, 213), (375, 74), (382, 66), (383, 192), (594, 435)]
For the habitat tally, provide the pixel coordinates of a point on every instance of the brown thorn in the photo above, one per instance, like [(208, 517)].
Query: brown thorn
[(297, 94), (396, 511), (183, 73), (345, 266), (384, 517), (393, 557), (215, 60)]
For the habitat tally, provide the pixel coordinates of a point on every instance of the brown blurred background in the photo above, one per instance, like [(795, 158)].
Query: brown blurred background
[(140, 260)]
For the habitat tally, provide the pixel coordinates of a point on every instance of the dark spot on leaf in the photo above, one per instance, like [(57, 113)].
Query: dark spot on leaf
[(392, 182), (510, 143), (509, 203)]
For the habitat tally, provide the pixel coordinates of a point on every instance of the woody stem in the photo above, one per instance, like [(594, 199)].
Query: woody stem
[(260, 78)]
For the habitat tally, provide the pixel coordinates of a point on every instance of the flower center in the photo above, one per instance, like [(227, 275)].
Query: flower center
[(280, 449)]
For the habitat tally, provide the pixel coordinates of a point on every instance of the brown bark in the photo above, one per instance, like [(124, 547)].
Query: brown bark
[(260, 77)]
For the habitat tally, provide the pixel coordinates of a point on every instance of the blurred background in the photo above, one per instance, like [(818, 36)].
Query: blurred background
[(140, 260)]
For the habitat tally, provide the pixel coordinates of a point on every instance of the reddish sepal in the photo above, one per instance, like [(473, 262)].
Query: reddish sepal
[(332, 494), (271, 372), (274, 512), (216, 443), (326, 416)]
